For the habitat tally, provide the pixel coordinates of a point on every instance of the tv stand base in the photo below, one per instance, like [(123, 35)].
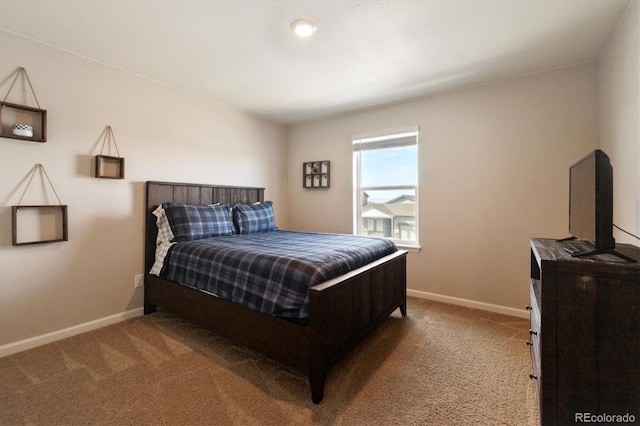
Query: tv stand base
[(598, 251)]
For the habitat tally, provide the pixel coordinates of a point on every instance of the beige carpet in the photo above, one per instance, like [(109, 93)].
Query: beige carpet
[(440, 365)]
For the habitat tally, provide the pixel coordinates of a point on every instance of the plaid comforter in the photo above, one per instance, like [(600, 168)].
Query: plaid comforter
[(272, 271)]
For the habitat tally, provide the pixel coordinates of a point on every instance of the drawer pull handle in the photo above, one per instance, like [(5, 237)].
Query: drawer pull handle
[(528, 308), (532, 377), (529, 343), (533, 333)]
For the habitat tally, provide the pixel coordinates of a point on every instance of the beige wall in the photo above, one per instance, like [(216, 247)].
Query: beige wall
[(162, 133), (494, 173), (619, 111)]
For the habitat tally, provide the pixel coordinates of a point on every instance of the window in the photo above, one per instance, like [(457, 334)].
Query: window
[(385, 176)]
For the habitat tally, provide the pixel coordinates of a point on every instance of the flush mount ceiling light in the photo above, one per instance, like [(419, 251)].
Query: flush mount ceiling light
[(303, 27)]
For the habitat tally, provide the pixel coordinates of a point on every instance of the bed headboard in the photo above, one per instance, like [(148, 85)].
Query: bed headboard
[(188, 193)]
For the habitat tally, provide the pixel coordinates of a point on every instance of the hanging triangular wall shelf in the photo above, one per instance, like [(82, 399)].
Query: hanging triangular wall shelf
[(109, 167), (36, 224), (21, 121)]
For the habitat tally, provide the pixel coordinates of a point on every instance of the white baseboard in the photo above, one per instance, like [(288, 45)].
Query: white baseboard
[(32, 342), (521, 313)]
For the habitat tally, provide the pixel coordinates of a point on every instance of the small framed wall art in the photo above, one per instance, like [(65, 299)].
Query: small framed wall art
[(36, 224), (316, 174), (20, 121), (107, 166)]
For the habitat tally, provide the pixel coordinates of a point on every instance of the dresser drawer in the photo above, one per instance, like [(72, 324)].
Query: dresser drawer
[(534, 338)]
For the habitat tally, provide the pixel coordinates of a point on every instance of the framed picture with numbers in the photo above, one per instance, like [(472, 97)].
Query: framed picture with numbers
[(316, 174)]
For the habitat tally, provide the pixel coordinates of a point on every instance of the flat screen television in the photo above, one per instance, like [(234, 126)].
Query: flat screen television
[(591, 201)]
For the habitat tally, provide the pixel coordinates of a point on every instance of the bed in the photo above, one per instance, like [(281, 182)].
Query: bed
[(340, 311)]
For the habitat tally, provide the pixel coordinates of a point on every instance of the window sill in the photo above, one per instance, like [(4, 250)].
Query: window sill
[(409, 248)]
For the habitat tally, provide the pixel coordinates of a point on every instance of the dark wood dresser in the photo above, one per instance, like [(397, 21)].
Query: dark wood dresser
[(585, 334)]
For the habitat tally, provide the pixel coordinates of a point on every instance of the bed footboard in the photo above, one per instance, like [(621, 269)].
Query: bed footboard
[(343, 310)]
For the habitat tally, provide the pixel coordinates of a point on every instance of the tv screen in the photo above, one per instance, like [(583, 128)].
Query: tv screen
[(591, 200)]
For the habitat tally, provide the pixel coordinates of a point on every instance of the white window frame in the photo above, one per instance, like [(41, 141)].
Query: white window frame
[(385, 139)]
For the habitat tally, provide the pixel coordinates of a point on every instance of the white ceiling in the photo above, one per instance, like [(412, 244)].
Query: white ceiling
[(364, 53)]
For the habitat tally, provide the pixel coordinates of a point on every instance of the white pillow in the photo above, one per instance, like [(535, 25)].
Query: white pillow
[(164, 229), (163, 240)]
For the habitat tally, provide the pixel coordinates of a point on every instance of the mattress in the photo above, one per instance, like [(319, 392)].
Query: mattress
[(270, 272)]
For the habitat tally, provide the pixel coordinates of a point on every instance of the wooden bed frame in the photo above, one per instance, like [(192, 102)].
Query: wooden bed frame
[(341, 311)]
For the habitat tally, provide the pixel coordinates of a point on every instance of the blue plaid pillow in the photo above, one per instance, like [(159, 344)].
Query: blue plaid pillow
[(254, 217), (190, 222)]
